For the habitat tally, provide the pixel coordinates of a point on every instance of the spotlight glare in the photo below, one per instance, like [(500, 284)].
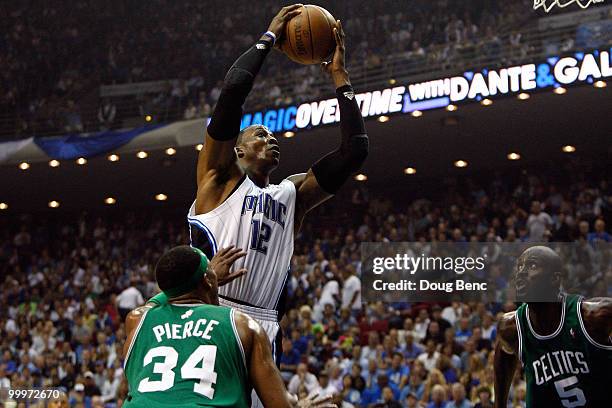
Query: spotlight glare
[(451, 108), (568, 149), (170, 151), (486, 102), (142, 154), (110, 200), (600, 84), (3, 206), (24, 165), (523, 96), (81, 161), (161, 197), (417, 113), (54, 204), (560, 90), (199, 147), (289, 134), (460, 163), (54, 163), (113, 157), (410, 170), (361, 177), (513, 156), (392, 81), (148, 118), (383, 119)]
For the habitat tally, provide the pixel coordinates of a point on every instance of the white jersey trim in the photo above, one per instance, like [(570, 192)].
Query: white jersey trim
[(233, 320), (127, 355), (520, 338), (586, 334), (556, 332)]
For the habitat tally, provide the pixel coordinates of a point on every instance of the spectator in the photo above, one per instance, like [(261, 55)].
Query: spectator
[(106, 114), (351, 290), (303, 378), (538, 222), (430, 357), (289, 360), (458, 397), (438, 397), (484, 398), (130, 298)]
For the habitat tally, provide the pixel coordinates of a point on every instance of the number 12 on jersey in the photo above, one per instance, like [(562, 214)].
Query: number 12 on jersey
[(200, 366), (261, 233)]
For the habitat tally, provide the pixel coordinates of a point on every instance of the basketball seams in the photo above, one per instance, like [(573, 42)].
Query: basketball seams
[(310, 34)]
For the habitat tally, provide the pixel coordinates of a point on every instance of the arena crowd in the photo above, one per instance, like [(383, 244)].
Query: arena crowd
[(67, 282), (84, 44)]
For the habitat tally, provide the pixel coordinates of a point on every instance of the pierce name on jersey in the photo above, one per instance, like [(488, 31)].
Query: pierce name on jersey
[(191, 328)]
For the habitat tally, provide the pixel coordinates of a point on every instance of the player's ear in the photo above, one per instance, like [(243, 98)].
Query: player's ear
[(239, 152)]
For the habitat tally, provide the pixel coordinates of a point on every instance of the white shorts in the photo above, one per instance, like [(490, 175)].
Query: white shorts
[(268, 320)]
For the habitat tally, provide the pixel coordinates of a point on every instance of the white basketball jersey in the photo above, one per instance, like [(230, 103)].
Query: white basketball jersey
[(259, 221)]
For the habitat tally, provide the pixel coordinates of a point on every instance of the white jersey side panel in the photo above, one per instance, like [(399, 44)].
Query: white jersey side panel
[(260, 221)]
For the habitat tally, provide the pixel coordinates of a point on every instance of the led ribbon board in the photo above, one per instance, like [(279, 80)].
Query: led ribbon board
[(438, 93)]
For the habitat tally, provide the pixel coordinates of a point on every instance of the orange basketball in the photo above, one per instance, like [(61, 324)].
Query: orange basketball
[(309, 36)]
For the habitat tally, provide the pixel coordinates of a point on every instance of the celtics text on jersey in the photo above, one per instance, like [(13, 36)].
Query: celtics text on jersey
[(566, 368)]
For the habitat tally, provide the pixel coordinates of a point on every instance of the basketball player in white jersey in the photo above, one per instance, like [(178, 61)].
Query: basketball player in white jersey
[(235, 203)]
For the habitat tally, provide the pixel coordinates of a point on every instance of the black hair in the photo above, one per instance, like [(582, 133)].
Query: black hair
[(176, 266)]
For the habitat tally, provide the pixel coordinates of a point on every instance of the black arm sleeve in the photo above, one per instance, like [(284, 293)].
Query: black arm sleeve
[(336, 167), (225, 120)]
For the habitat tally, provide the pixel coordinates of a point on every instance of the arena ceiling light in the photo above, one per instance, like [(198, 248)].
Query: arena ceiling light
[(486, 102), (199, 147), (161, 197), (53, 204), (24, 165), (383, 119), (417, 114), (81, 161), (361, 177), (392, 81), (113, 157), (171, 151), (410, 170), (148, 118), (568, 149), (513, 156), (110, 200), (451, 108), (54, 163), (600, 84), (142, 154), (523, 96), (560, 90), (460, 163), (3, 206), (289, 134)]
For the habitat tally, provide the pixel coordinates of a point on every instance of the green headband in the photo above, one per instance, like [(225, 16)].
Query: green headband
[(193, 281)]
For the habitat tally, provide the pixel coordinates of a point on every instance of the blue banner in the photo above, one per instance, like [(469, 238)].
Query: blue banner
[(75, 146)]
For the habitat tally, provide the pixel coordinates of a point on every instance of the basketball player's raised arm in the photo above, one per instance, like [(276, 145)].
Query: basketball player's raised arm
[(264, 375), (505, 359), (218, 152), (328, 174)]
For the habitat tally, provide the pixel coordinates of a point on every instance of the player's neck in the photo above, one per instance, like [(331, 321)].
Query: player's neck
[(205, 298), (545, 316), (261, 179)]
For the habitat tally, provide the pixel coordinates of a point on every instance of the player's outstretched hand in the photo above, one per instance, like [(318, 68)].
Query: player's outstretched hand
[(223, 261), (316, 402), (277, 26), (336, 68)]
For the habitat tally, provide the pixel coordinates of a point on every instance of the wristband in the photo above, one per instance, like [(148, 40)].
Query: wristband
[(271, 35)]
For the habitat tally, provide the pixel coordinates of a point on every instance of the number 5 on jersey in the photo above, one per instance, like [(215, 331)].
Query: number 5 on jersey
[(191, 369)]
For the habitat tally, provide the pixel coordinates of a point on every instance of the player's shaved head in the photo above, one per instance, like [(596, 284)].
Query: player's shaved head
[(539, 271), (176, 266), (250, 130)]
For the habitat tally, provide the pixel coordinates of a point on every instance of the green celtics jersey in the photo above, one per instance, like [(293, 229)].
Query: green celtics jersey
[(566, 368), (187, 356)]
